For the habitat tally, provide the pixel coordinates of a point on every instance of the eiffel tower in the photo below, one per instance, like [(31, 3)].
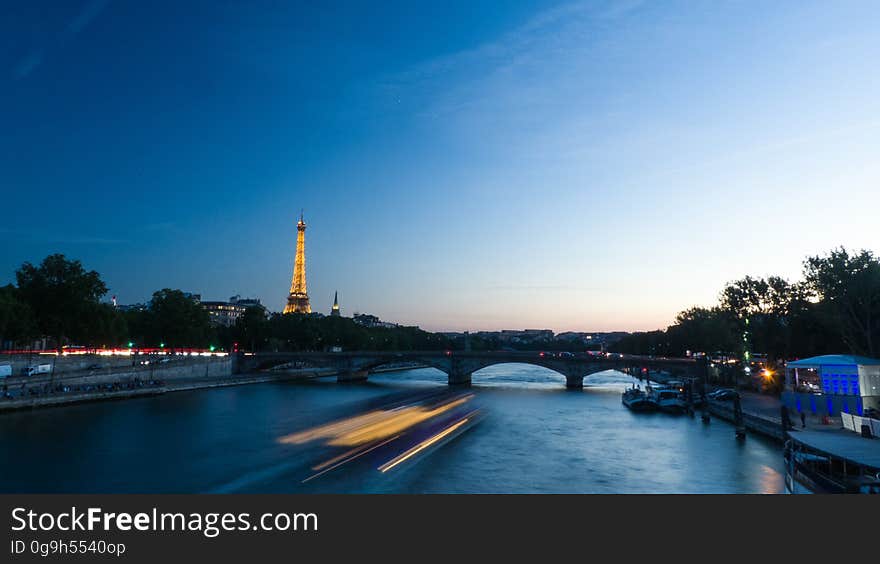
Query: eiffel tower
[(298, 299)]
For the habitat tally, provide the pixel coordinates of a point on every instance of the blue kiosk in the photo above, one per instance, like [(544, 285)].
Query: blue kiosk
[(831, 384)]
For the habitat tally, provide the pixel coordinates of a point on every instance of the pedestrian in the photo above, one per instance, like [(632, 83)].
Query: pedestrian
[(803, 420), (786, 418)]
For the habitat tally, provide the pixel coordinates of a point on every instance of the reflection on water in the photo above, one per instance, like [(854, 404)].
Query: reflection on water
[(770, 479), (378, 437)]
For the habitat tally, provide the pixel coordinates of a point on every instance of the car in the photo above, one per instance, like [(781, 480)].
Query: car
[(724, 394)]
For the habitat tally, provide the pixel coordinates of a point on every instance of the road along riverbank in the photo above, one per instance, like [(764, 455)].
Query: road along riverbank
[(29, 393)]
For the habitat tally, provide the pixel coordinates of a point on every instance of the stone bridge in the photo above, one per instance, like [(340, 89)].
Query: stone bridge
[(460, 365)]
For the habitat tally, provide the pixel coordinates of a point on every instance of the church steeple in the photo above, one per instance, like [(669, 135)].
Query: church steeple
[(335, 311)]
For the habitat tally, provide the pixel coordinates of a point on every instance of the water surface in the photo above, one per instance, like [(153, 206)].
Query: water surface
[(537, 438)]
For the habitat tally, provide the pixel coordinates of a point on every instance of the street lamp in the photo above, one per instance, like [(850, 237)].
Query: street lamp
[(746, 355)]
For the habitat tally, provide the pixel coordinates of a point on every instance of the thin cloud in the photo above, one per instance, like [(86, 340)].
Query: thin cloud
[(555, 29), (752, 151), (161, 226), (65, 239), (509, 82), (621, 9), (91, 10), (541, 287), (27, 64), (88, 240)]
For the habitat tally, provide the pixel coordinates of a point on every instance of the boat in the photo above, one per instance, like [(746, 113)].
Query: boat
[(831, 462), (668, 399), (637, 400)]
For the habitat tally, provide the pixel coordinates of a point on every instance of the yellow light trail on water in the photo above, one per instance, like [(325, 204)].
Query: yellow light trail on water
[(421, 446), (343, 458), (372, 426)]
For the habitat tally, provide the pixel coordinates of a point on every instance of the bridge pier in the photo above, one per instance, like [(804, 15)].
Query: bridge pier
[(573, 382), (352, 376), (459, 378), (459, 372)]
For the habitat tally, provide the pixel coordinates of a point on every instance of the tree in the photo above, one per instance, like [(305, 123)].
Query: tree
[(139, 323), (705, 330), (849, 289), (643, 343), (61, 294), (759, 296), (104, 325), (177, 320), (767, 306), (17, 323), (252, 328)]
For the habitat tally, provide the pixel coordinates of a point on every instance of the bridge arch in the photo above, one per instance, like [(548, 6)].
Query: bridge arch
[(519, 372), (391, 359), (270, 361)]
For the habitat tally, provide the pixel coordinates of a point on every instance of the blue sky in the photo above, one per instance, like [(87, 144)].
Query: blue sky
[(462, 165)]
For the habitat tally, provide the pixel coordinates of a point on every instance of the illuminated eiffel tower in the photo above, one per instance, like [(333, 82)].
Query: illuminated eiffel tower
[(298, 299)]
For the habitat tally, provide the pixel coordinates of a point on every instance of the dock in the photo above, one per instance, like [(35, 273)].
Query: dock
[(845, 445), (756, 423)]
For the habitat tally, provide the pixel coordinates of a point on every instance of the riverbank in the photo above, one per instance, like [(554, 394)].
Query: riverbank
[(68, 399), (761, 413), (752, 420), (62, 399), (103, 393)]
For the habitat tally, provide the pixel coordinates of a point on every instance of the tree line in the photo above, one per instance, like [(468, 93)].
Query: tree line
[(834, 308), (279, 332), (61, 301)]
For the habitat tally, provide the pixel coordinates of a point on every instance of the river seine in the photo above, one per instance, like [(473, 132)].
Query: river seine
[(535, 437)]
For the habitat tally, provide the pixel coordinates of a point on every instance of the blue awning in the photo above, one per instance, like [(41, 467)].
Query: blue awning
[(833, 360)]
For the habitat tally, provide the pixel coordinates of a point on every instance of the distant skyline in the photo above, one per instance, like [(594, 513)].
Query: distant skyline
[(586, 166)]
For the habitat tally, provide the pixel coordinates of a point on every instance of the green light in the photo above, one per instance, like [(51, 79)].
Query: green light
[(212, 348), (130, 344), (161, 345)]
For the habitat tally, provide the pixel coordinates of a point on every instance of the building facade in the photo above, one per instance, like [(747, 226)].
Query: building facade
[(228, 313)]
